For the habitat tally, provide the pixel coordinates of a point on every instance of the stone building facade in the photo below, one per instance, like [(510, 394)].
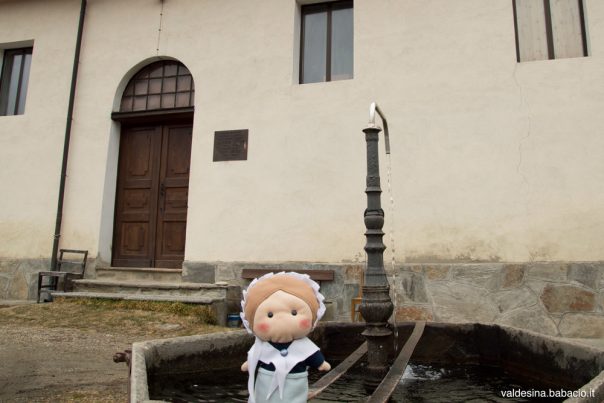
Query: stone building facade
[(496, 165)]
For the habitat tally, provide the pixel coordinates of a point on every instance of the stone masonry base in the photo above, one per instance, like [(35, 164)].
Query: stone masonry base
[(555, 298), (558, 299), (19, 277)]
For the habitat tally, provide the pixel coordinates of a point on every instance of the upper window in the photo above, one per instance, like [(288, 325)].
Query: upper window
[(161, 85), (549, 29), (14, 80), (326, 47)]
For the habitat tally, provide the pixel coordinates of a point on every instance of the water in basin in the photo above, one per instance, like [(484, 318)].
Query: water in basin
[(420, 383)]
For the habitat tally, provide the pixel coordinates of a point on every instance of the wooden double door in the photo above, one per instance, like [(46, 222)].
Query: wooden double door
[(152, 193)]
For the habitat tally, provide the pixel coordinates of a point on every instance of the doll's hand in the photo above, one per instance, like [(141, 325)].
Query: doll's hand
[(244, 367), (325, 366)]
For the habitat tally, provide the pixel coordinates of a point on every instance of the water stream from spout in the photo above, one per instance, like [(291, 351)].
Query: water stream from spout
[(392, 247)]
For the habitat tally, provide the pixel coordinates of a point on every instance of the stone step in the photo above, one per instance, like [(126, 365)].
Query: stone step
[(187, 299), (215, 291), (139, 274), (217, 305)]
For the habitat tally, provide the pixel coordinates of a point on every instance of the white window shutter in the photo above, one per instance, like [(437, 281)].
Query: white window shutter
[(532, 36), (566, 27)]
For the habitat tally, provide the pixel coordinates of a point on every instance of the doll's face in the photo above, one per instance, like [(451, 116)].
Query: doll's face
[(282, 317)]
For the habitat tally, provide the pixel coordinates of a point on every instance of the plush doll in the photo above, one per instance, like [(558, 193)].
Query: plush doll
[(281, 310)]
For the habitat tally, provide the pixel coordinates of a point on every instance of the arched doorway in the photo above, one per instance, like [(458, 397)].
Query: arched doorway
[(156, 115)]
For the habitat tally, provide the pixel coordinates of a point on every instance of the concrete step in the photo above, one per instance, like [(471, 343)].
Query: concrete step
[(217, 305), (139, 274), (213, 291)]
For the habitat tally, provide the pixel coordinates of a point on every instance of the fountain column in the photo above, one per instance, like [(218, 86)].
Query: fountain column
[(376, 306)]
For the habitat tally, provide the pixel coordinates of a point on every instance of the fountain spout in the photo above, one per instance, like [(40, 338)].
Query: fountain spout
[(376, 306), (373, 108)]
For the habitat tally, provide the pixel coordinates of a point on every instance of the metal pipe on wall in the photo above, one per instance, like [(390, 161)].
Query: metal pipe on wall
[(74, 79)]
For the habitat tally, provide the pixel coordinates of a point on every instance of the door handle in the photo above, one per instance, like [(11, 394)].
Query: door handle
[(162, 197)]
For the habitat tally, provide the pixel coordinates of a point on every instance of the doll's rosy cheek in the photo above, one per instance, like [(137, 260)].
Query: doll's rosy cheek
[(305, 324), (263, 327)]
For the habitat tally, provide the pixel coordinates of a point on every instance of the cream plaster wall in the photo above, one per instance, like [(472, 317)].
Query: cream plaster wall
[(31, 144), (491, 159)]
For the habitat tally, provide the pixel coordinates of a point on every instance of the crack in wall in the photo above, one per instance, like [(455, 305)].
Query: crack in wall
[(524, 105)]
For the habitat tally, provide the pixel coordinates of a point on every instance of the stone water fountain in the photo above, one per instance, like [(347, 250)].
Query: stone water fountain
[(197, 366)]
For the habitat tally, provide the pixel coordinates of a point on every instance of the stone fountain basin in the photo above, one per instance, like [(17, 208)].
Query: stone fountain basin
[(524, 354)]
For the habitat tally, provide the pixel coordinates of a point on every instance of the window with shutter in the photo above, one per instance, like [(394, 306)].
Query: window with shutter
[(549, 29)]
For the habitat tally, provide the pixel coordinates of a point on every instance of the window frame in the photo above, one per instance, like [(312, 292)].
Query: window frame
[(144, 77), (6, 72), (318, 8), (549, 32)]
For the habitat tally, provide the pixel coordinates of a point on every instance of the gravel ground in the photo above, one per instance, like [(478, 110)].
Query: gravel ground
[(39, 364), (63, 352)]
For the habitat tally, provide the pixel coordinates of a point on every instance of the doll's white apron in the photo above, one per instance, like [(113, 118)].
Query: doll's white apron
[(294, 391), (290, 391)]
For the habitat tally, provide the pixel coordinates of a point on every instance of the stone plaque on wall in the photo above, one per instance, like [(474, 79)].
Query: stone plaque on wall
[(230, 145)]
